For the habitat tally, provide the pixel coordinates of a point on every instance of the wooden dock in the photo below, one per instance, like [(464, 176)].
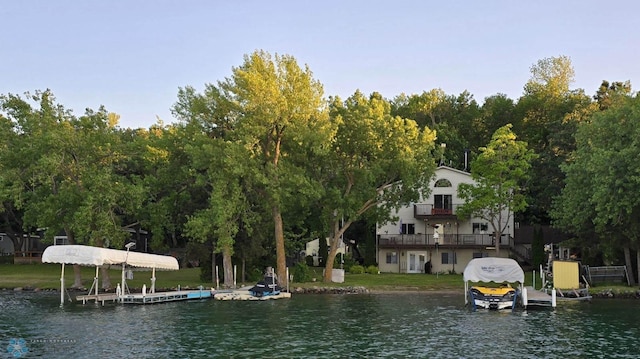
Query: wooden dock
[(543, 299), (538, 298), (148, 298), (246, 295)]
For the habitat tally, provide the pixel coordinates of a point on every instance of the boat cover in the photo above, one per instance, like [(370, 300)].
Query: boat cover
[(493, 269), (96, 256)]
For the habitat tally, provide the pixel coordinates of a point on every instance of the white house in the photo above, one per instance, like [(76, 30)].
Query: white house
[(430, 237), (312, 248)]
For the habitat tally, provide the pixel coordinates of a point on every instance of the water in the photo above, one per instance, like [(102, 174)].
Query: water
[(415, 325)]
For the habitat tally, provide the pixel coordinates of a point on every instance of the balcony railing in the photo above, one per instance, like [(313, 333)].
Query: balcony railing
[(414, 240), (425, 210)]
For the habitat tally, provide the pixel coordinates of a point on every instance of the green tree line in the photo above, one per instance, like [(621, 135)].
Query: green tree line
[(262, 161)]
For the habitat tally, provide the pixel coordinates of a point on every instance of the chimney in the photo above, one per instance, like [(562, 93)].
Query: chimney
[(466, 159)]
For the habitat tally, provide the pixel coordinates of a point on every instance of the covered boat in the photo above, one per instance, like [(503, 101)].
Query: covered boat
[(493, 270)]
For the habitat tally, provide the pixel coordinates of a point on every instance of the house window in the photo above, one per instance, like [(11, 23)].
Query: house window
[(442, 204), (449, 258), (480, 227), (392, 257), (443, 182), (60, 240), (480, 255), (408, 228)]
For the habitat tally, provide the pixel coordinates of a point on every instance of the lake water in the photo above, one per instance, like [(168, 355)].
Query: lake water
[(407, 325)]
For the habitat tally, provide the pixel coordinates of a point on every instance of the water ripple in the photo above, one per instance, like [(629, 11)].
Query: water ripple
[(319, 326)]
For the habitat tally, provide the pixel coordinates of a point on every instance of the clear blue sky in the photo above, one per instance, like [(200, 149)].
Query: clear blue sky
[(132, 56)]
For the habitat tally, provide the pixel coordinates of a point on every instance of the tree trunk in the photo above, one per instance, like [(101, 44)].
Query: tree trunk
[(333, 250), (228, 268), (281, 258), (106, 280), (328, 268), (498, 235), (104, 271), (77, 277), (77, 274), (627, 262)]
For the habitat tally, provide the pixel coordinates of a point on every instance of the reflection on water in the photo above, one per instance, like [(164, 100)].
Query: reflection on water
[(415, 325)]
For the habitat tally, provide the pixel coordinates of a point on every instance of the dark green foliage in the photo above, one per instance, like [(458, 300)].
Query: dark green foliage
[(373, 270), (302, 273), (343, 261), (537, 248), (309, 260), (323, 252)]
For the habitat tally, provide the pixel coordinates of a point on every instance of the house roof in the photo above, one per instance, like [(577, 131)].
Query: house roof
[(453, 170), (96, 256)]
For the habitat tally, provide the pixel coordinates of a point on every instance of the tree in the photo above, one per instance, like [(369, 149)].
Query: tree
[(63, 169), (499, 172), (377, 163), (274, 110), (546, 117), (607, 92), (603, 176)]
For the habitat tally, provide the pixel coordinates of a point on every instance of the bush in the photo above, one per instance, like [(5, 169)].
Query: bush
[(356, 269), (301, 273), (348, 261), (309, 260), (372, 270)]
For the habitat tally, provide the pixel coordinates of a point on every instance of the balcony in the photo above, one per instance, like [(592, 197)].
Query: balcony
[(422, 241), (428, 211)]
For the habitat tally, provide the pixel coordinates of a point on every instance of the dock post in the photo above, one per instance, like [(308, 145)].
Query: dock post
[(217, 279), (62, 286), (553, 298), (525, 299), (153, 280)]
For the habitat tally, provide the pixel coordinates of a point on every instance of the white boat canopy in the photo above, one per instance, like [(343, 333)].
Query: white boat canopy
[(493, 269), (96, 256)]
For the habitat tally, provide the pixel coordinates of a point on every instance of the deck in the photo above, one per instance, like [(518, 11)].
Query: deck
[(543, 299), (148, 298), (538, 298), (246, 295)]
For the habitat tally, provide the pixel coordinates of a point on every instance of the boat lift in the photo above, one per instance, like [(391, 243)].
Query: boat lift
[(96, 256)]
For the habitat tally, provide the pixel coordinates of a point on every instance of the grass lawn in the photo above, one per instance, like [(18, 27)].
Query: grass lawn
[(47, 276)]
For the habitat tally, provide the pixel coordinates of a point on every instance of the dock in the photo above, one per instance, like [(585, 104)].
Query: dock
[(538, 298), (541, 298), (246, 295), (148, 298)]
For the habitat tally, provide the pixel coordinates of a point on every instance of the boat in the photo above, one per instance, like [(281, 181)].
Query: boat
[(503, 272), (266, 289), (267, 286), (496, 298)]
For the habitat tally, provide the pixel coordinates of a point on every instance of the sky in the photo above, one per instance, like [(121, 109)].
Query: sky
[(133, 56)]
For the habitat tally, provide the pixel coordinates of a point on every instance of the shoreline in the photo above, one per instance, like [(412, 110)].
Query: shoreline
[(604, 293)]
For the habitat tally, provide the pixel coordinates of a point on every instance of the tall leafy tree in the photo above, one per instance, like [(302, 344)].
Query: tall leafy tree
[(499, 172), (378, 162), (546, 117), (603, 176), (274, 109), (66, 168)]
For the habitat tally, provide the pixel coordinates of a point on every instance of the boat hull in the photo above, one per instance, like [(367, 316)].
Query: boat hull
[(493, 298)]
